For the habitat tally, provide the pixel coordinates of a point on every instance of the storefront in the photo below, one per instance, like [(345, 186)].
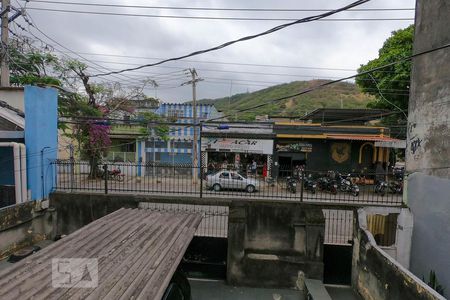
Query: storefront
[(321, 148), (238, 148), (291, 154)]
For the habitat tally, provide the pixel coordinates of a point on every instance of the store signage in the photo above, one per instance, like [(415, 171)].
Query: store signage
[(391, 144), (297, 147), (237, 145)]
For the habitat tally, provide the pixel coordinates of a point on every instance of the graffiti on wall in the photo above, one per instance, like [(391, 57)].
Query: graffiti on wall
[(414, 142)]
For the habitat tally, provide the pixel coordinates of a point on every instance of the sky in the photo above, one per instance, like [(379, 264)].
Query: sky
[(320, 49)]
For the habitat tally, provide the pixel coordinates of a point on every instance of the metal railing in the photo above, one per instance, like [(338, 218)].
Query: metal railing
[(159, 178), (214, 217)]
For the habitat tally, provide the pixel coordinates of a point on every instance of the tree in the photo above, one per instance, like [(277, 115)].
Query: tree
[(30, 65), (390, 85), (90, 104)]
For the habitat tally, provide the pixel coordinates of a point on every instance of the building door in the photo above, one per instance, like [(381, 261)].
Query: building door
[(285, 166), (367, 155)]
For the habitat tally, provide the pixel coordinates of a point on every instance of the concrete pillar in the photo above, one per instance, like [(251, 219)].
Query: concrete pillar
[(428, 143)]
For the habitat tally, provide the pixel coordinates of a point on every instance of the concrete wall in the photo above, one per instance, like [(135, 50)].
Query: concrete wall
[(269, 243), (25, 224), (402, 227), (429, 199), (376, 275), (77, 210), (428, 142), (41, 115)]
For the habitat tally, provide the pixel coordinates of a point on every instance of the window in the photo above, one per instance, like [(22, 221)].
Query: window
[(182, 144), (224, 175), (156, 144), (175, 113), (235, 176)]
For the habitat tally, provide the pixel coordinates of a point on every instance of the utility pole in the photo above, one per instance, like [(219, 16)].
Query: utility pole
[(194, 81), (4, 76)]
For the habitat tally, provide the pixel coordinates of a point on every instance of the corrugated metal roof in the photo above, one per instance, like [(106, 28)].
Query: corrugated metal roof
[(12, 115), (137, 252), (345, 115)]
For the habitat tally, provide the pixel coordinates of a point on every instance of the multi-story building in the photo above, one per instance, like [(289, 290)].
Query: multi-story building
[(177, 146)]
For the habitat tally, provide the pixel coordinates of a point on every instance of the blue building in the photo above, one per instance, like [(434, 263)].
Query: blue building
[(178, 148), (28, 143)]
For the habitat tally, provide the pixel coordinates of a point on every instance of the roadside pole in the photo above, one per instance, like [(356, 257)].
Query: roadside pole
[(194, 81), (4, 77)]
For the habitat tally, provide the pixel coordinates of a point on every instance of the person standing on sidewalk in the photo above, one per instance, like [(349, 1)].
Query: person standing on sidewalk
[(253, 167)]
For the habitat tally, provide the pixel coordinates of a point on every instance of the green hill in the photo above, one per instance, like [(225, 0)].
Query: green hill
[(346, 94)]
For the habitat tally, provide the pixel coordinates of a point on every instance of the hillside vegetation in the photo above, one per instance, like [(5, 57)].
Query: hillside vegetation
[(346, 94)]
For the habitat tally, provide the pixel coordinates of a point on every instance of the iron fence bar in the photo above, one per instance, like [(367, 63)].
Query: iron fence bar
[(105, 175), (201, 180), (302, 181), (177, 179)]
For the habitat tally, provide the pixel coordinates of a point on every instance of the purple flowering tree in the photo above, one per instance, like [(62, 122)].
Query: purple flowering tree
[(97, 145)]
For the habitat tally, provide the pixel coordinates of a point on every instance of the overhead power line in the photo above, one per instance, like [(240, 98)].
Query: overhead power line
[(235, 72), (215, 8), (309, 90), (246, 38), (32, 24), (207, 17), (221, 62)]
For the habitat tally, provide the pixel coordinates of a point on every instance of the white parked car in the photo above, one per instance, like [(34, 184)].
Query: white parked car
[(231, 180)]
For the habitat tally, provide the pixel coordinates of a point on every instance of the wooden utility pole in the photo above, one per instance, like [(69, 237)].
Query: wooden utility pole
[(4, 77), (194, 81)]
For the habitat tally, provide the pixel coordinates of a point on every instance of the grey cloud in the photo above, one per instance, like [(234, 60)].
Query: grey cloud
[(320, 44)]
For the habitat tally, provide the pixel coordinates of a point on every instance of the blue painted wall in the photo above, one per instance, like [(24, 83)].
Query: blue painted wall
[(6, 166), (41, 130), (183, 132)]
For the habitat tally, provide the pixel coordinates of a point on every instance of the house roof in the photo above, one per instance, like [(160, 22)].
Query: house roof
[(11, 118), (136, 253), (345, 137), (344, 115), (354, 137)]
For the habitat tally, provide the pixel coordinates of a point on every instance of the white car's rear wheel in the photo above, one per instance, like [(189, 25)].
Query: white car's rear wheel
[(250, 188)]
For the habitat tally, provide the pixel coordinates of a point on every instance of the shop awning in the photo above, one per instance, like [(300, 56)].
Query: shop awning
[(398, 144), (368, 138)]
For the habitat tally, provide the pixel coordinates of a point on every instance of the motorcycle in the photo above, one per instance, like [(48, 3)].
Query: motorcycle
[(327, 184), (270, 181), (115, 174), (396, 187), (346, 186), (381, 187), (291, 185), (309, 184)]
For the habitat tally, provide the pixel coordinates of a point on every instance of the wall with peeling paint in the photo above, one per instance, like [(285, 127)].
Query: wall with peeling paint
[(25, 224), (376, 275), (428, 143)]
